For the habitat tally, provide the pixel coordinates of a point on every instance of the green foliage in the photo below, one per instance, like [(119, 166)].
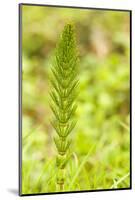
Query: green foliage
[(64, 82), (100, 151)]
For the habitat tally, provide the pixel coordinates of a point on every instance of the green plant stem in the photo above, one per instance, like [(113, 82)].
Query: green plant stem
[(63, 97)]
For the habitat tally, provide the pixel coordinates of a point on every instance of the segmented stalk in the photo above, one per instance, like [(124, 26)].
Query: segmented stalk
[(63, 94)]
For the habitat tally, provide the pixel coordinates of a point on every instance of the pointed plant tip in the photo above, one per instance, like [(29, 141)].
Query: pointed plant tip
[(70, 25)]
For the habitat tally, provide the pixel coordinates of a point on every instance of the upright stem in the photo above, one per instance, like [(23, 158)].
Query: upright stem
[(60, 179), (63, 95)]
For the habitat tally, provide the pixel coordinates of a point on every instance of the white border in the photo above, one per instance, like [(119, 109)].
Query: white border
[(9, 99)]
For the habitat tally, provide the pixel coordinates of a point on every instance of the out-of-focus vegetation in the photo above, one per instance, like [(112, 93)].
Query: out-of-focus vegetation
[(101, 140)]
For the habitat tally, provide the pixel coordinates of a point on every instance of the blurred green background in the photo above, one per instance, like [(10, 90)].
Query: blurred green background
[(101, 140)]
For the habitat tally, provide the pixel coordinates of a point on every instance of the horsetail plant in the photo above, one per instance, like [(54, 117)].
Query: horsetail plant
[(63, 98)]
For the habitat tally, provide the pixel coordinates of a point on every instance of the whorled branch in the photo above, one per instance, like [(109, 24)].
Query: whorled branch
[(63, 95)]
